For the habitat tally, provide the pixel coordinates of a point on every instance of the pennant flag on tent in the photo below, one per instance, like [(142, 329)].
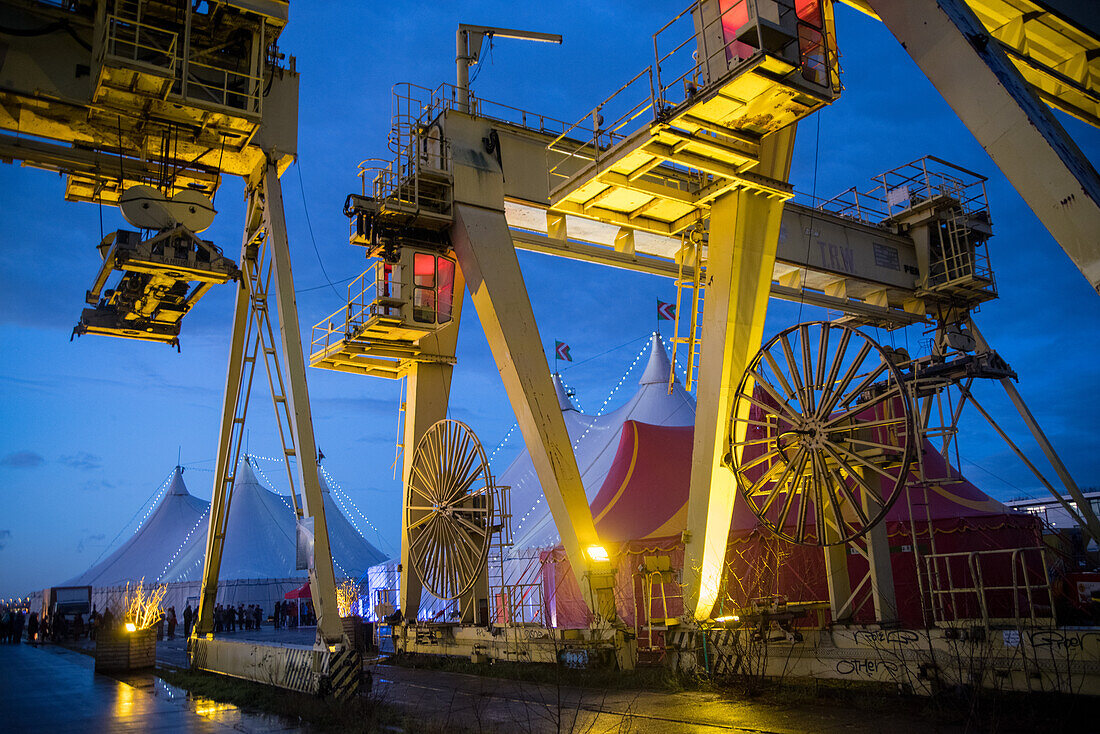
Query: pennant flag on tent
[(665, 311), (561, 351)]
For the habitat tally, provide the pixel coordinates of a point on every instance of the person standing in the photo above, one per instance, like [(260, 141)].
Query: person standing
[(171, 623), (32, 629), (257, 616), (17, 637), (188, 618)]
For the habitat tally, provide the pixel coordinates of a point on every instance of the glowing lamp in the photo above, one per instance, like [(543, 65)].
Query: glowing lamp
[(130, 627), (598, 553), (729, 618)]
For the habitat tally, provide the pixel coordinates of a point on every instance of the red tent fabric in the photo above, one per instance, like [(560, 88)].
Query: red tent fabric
[(302, 592), (641, 510), (645, 494)]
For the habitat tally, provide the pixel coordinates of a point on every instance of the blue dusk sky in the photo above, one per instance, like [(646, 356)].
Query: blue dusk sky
[(89, 430)]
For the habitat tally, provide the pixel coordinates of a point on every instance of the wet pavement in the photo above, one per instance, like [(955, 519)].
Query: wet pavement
[(56, 690), (173, 652), (456, 701)]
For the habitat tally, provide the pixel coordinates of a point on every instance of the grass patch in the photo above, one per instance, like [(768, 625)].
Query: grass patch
[(363, 714)]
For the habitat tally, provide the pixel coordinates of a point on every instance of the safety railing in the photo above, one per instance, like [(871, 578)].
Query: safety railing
[(1008, 584), (130, 41), (589, 138), (411, 180), (685, 50), (910, 185), (215, 85), (736, 35), (377, 294), (519, 604), (363, 304)]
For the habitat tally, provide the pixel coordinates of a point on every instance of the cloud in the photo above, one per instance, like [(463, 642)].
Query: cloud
[(4, 536), (96, 485), (88, 540), (22, 460), (82, 460)]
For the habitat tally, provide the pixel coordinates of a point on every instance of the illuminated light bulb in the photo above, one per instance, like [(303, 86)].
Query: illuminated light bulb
[(130, 627), (598, 553)]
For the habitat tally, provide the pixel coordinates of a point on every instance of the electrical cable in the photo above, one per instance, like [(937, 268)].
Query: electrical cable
[(326, 285), (609, 351), (316, 251), (813, 209)]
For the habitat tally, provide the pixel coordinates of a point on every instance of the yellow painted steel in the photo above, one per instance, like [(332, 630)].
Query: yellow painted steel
[(1058, 57), (266, 220), (487, 257), (744, 235), (1006, 115), (427, 397), (483, 245)]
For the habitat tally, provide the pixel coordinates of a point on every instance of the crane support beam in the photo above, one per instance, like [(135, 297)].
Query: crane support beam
[(1020, 133), (427, 397), (744, 237), (483, 247), (321, 576), (486, 256), (864, 311)]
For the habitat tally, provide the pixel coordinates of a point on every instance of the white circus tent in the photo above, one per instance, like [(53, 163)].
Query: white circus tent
[(259, 558), (149, 550)]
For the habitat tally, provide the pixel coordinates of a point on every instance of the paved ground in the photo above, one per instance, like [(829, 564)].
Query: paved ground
[(31, 681), (56, 690), (496, 705)]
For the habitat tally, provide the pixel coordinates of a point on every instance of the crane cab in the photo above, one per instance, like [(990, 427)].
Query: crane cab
[(410, 298), (391, 307)]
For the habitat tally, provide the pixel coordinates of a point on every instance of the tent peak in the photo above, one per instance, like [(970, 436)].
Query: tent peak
[(565, 402), (177, 486), (658, 365)]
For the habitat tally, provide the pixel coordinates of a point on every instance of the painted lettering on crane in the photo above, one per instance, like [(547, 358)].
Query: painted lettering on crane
[(869, 668), (837, 257)]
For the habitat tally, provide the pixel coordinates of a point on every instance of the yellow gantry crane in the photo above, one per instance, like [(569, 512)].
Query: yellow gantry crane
[(695, 148), (147, 104)]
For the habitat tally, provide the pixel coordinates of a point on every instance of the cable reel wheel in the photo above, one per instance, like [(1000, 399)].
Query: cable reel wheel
[(449, 509), (822, 434)]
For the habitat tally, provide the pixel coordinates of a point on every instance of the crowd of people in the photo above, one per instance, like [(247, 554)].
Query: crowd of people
[(228, 618), (17, 623)]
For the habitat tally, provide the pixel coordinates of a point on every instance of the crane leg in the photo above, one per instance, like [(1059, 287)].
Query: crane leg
[(1017, 130), (744, 234)]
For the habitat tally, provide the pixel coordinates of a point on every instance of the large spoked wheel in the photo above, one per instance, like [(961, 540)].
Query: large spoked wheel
[(449, 509), (821, 434)]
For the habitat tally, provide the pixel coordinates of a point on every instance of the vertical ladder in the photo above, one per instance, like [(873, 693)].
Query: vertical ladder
[(691, 251), (955, 251), (257, 279)]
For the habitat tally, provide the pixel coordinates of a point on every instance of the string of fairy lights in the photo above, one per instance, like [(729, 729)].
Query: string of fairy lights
[(591, 424), (157, 495), (611, 395), (343, 498), (186, 540), (271, 487), (572, 393)]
